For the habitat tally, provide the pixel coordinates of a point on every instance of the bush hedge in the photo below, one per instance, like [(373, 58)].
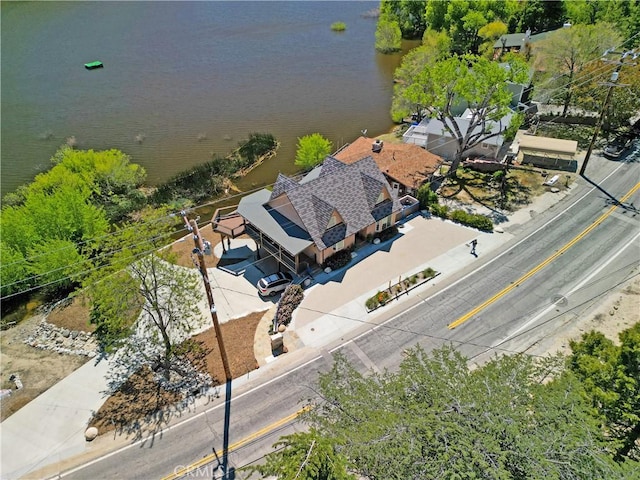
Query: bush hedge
[(481, 222), (338, 260), (387, 233)]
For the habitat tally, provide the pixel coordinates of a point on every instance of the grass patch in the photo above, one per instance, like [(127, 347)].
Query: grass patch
[(492, 191), (338, 26)]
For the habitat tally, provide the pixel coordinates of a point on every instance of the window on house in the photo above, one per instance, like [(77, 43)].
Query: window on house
[(338, 246), (383, 223)]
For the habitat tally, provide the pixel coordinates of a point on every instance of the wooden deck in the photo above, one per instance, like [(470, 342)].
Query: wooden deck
[(230, 224)]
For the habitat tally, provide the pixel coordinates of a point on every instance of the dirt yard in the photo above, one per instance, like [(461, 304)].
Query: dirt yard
[(38, 369)]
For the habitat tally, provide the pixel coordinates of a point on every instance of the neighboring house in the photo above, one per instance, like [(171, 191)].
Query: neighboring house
[(308, 221), (432, 135), (405, 166), (516, 43)]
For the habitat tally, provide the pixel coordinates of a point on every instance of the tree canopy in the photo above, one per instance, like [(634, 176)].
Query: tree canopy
[(388, 34), (625, 15), (312, 150), (611, 376), (514, 417), (444, 88), (49, 226), (564, 54), (137, 271)]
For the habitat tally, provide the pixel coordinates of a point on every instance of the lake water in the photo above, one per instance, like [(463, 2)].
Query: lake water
[(185, 80)]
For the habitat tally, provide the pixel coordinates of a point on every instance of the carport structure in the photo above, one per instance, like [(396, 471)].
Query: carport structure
[(547, 152)]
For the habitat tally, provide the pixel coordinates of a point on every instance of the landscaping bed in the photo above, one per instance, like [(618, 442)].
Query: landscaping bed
[(382, 297)]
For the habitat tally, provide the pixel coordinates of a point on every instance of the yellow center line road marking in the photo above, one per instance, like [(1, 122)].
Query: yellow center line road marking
[(212, 457), (539, 267)]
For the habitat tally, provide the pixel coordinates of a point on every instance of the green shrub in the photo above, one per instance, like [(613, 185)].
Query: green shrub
[(338, 26), (387, 233), (440, 210), (372, 303), (426, 196), (338, 260), (481, 222), (429, 272)]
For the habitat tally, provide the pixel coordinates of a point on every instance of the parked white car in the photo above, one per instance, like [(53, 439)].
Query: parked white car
[(274, 284)]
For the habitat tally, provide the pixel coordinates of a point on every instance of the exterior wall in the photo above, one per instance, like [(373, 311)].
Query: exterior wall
[(327, 252), (443, 146), (479, 151), (313, 252), (283, 205), (550, 162)]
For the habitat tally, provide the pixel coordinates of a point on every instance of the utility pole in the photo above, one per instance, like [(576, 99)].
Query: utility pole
[(612, 83), (192, 226)]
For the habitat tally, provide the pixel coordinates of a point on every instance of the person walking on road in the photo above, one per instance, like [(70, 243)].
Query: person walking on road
[(474, 242)]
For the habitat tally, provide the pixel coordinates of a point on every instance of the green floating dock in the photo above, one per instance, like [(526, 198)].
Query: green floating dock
[(92, 65)]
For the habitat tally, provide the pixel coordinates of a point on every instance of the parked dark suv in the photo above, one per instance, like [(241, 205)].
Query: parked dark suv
[(275, 283), (617, 147)]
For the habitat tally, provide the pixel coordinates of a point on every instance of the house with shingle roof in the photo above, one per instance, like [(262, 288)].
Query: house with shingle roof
[(406, 166), (307, 221)]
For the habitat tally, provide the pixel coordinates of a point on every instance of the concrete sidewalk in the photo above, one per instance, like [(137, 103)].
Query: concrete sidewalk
[(51, 428)]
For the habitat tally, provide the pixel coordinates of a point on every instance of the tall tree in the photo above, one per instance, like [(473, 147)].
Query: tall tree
[(477, 83), (388, 34), (514, 417), (624, 14), (542, 15), (409, 14), (611, 376), (564, 54), (138, 269), (435, 47), (591, 88), (312, 150)]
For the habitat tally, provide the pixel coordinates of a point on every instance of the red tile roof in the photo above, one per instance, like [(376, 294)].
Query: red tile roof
[(406, 163)]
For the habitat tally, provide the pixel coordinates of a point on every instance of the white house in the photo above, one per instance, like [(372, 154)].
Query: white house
[(432, 135)]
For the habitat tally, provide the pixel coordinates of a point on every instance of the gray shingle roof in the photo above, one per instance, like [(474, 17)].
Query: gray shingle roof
[(282, 183), (351, 190)]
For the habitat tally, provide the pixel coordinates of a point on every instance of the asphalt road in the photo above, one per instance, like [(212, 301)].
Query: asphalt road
[(556, 268)]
